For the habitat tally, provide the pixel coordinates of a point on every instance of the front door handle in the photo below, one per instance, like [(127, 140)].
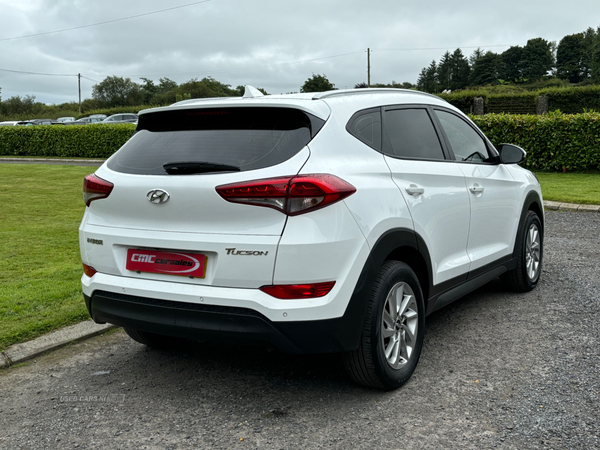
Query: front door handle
[(415, 190), (476, 189)]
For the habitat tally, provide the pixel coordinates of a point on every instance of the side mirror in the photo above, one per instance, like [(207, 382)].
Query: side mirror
[(511, 154)]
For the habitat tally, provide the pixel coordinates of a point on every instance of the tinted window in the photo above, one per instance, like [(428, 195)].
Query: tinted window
[(366, 126), (248, 138), (409, 133), (466, 143)]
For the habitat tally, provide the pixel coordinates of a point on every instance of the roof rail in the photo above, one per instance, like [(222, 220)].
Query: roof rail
[(362, 91), (196, 100)]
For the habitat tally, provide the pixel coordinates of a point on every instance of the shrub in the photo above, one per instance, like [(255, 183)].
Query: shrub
[(88, 141), (554, 142)]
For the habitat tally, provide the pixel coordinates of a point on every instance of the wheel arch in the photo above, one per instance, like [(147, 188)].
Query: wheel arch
[(533, 202), (401, 244)]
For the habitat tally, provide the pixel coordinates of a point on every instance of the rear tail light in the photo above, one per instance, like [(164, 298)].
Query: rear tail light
[(89, 270), (95, 188), (298, 291), (292, 195)]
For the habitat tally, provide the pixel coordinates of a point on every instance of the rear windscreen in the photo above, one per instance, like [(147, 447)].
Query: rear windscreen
[(245, 138)]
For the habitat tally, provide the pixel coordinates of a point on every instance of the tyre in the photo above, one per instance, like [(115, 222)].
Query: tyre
[(529, 250), (154, 340), (392, 335)]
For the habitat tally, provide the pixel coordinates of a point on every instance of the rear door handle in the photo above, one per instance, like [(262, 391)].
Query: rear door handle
[(476, 189), (415, 190)]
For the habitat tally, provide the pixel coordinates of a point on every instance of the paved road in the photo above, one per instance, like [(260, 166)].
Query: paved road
[(498, 370)]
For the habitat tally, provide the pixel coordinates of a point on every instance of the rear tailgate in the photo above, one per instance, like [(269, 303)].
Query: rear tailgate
[(193, 235)]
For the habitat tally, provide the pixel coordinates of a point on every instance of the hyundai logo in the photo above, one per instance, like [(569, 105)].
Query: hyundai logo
[(158, 196)]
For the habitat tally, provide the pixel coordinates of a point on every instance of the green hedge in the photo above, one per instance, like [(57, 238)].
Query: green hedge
[(89, 141), (554, 142), (525, 103), (575, 100)]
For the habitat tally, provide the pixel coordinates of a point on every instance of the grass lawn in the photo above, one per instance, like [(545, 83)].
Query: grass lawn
[(571, 187), (40, 266)]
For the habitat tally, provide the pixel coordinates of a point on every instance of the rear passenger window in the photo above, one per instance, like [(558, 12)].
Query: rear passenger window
[(366, 126), (409, 133)]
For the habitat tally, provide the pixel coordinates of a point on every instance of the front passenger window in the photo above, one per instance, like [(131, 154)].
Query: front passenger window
[(466, 144)]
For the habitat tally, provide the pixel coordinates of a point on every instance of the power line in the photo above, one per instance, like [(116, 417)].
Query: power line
[(37, 73), (48, 74), (103, 23), (438, 48), (90, 79)]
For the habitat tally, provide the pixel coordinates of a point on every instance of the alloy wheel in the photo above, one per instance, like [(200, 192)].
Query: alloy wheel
[(532, 252), (399, 325)]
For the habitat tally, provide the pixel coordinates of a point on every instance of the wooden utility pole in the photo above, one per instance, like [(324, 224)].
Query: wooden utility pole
[(368, 67), (79, 87)]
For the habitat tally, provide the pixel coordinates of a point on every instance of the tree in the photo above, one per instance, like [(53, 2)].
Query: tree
[(590, 39), (569, 58), (477, 53), (317, 83), (207, 87), (513, 66), (537, 59), (595, 57), (21, 105), (149, 90), (166, 85), (444, 72), (362, 85), (427, 81), (393, 84), (459, 70), (117, 91), (487, 69)]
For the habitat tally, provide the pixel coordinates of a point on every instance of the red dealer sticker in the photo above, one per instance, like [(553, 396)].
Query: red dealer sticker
[(172, 263)]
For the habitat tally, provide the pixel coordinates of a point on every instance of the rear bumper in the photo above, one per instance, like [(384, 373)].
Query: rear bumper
[(223, 324)]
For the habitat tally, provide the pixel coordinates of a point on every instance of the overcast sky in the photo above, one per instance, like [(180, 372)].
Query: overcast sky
[(272, 44)]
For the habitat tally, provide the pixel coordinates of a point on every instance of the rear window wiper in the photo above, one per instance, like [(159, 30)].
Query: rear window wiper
[(186, 168)]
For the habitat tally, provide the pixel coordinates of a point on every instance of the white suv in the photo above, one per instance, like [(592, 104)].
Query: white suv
[(329, 222)]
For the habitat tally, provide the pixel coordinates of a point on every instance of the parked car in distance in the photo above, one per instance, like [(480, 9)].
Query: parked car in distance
[(121, 118), (65, 119), (98, 116), (9, 123), (85, 121), (40, 122), (312, 223)]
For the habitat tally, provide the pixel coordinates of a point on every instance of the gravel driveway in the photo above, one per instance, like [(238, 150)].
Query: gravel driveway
[(498, 370)]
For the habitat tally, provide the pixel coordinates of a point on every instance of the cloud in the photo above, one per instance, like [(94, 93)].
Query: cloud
[(273, 44)]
